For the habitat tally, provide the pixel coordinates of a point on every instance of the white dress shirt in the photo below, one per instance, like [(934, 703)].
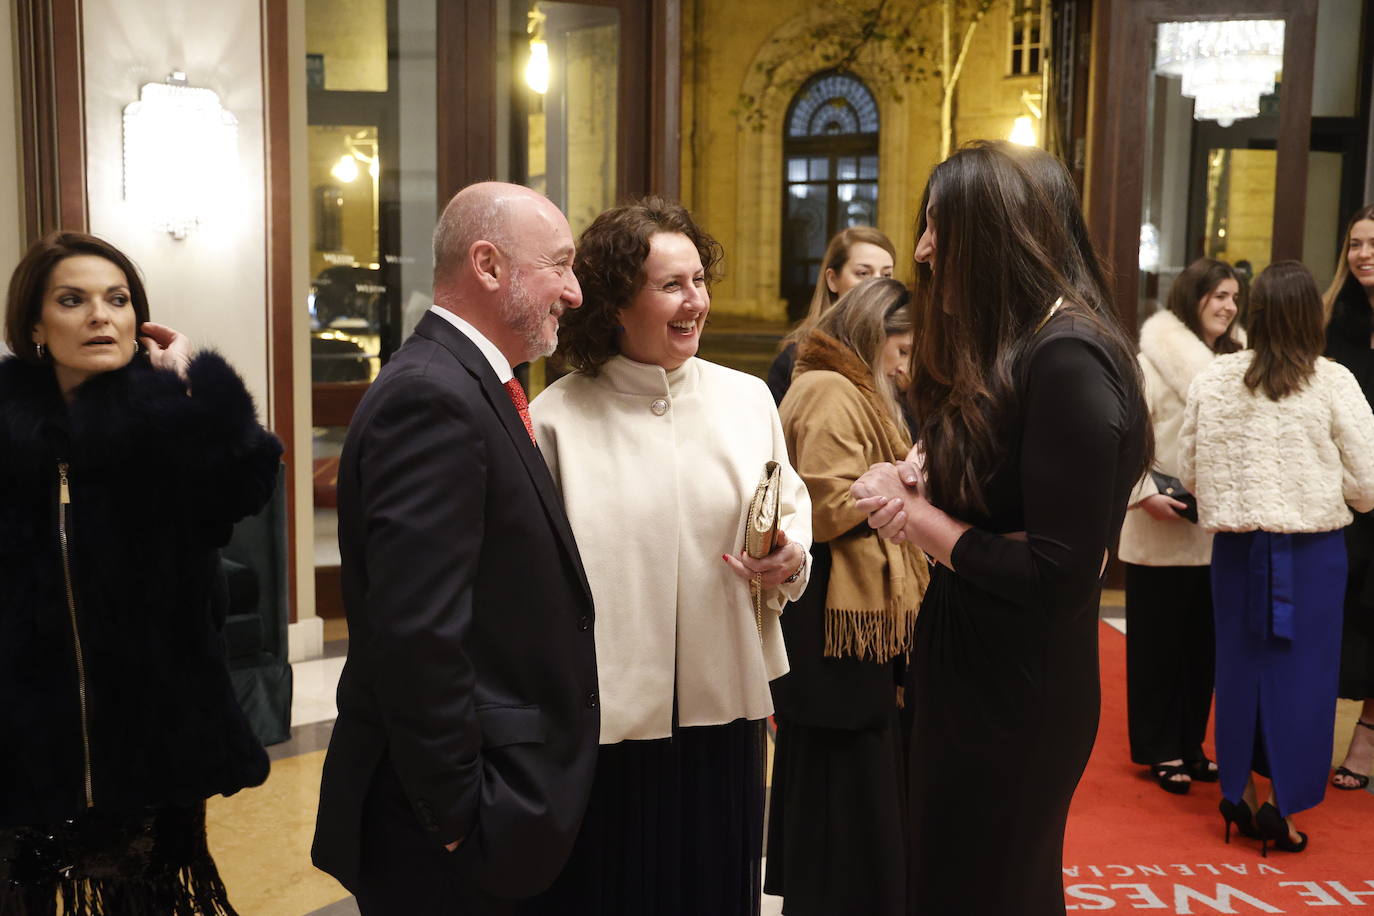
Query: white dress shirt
[(498, 361)]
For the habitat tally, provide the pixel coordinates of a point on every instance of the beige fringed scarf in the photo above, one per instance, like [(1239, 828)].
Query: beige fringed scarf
[(836, 425)]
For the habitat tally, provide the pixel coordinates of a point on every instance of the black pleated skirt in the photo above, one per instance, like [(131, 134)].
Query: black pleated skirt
[(836, 831), (674, 827)]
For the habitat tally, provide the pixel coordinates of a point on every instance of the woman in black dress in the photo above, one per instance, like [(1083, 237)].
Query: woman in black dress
[(1034, 432), (1350, 342)]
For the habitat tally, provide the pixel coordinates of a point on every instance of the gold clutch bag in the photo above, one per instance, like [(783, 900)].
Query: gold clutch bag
[(761, 530)]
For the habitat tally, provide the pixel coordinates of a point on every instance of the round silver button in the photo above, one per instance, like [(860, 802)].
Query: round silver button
[(659, 407)]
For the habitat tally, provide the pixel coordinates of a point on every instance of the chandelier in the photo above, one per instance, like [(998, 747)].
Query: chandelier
[(1225, 66)]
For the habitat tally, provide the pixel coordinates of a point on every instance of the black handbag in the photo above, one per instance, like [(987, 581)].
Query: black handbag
[(1173, 488)]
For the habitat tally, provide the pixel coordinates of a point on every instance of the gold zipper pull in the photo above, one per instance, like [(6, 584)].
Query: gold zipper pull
[(66, 494)]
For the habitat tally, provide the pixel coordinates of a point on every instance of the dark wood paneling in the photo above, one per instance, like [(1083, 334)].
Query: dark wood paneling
[(636, 84), (281, 298), (52, 119), (329, 592), (1295, 130), (466, 94), (333, 403), (665, 103)]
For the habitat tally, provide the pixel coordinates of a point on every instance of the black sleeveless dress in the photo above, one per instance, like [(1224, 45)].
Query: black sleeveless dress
[(1005, 667)]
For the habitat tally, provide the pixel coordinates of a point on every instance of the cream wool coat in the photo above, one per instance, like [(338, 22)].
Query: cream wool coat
[(1288, 466), (1171, 356), (654, 501)]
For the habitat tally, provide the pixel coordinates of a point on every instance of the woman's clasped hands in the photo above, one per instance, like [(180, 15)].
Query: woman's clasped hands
[(888, 494)]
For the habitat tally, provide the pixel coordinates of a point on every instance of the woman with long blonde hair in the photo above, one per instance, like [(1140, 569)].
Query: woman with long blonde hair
[(854, 255)]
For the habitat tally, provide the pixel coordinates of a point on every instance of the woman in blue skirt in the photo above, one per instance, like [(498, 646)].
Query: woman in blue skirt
[(1277, 444)]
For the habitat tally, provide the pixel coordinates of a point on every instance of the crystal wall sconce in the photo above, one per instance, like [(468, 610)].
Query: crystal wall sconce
[(180, 154)]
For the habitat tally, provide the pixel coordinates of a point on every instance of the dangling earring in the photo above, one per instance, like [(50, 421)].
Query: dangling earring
[(137, 348), (39, 348)]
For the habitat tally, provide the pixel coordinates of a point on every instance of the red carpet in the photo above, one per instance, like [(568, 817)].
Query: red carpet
[(1132, 846)]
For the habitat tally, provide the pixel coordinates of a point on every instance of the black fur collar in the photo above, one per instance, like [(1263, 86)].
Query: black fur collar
[(112, 418)]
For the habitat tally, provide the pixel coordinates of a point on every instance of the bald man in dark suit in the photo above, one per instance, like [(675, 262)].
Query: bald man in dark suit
[(463, 753)]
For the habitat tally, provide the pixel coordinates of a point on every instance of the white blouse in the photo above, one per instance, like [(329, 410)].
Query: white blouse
[(656, 469)]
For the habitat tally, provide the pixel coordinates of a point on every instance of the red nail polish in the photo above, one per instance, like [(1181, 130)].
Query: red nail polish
[(725, 557)]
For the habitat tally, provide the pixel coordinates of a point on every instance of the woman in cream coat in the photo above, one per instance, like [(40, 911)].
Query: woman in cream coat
[(1277, 443), (656, 454), (1169, 642)]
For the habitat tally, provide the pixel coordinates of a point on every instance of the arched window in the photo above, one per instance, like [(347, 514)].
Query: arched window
[(830, 175)]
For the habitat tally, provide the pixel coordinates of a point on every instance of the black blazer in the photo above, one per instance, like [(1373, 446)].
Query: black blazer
[(471, 666)]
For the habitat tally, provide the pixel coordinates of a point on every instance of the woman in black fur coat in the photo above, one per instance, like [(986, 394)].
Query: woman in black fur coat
[(123, 466)]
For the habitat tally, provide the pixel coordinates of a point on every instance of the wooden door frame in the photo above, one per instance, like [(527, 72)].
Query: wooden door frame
[(1122, 31), (649, 126), (281, 298), (52, 116)]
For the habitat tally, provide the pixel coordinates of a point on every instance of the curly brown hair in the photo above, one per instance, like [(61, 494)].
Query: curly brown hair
[(610, 269)]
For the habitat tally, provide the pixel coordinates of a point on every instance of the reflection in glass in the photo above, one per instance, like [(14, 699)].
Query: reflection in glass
[(561, 141), (370, 159), (1226, 66), (1240, 205), (1208, 184), (346, 45)]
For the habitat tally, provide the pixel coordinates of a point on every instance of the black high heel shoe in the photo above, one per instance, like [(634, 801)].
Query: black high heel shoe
[(1203, 770), (1238, 813), (1274, 829)]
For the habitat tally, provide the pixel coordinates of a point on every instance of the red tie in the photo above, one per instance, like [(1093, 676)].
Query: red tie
[(522, 406)]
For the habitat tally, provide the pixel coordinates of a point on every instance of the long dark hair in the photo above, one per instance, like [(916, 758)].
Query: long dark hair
[(1197, 281), (24, 305), (1285, 329), (1010, 240)]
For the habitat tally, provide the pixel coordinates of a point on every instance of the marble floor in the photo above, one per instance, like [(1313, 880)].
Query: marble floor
[(261, 837)]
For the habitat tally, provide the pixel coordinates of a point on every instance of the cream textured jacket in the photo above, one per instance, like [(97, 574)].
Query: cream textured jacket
[(1171, 356), (1288, 466), (656, 470)]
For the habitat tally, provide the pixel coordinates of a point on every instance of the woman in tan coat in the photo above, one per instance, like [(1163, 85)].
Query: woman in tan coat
[(836, 842)]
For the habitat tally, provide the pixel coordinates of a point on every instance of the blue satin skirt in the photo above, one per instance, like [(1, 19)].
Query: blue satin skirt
[(1278, 601)]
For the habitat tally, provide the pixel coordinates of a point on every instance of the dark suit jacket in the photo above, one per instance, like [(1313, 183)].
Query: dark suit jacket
[(471, 666)]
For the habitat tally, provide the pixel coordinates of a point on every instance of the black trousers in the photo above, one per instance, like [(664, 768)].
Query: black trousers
[(1170, 660)]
